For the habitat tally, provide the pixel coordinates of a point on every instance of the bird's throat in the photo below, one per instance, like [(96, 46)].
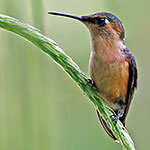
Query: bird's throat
[(107, 50)]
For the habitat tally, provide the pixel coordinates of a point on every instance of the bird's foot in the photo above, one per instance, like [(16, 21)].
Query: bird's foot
[(89, 81), (116, 117)]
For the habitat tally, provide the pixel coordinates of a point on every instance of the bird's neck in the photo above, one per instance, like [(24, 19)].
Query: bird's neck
[(107, 49)]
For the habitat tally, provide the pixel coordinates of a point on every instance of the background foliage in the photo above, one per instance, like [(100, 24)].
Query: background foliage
[(40, 107)]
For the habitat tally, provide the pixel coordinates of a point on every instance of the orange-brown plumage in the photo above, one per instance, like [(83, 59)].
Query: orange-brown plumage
[(112, 66), (109, 70)]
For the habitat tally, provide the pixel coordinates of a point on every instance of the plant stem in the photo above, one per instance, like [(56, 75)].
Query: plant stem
[(49, 47)]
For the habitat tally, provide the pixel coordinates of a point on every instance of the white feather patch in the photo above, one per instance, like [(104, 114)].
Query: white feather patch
[(106, 21)]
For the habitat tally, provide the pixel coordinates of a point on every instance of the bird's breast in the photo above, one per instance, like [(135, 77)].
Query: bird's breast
[(110, 73)]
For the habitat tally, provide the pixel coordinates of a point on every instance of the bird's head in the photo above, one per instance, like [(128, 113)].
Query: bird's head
[(104, 25)]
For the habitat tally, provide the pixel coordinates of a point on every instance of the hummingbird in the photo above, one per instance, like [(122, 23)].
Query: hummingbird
[(112, 66)]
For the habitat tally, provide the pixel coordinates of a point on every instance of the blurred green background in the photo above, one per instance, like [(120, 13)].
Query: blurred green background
[(40, 106)]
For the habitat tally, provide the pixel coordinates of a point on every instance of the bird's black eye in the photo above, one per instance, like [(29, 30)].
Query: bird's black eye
[(100, 21)]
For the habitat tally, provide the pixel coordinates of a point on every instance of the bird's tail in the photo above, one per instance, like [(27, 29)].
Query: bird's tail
[(105, 126)]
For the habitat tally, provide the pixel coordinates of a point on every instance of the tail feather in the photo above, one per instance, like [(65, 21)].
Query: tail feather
[(105, 126)]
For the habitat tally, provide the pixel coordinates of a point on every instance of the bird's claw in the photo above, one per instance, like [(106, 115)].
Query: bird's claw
[(116, 118), (89, 81)]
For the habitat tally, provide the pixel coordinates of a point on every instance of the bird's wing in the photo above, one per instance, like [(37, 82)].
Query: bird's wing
[(132, 83), (105, 127)]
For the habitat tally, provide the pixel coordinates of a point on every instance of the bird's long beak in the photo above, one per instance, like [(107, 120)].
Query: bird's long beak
[(80, 18)]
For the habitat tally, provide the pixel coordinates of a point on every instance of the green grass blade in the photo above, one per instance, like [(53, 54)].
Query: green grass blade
[(51, 48)]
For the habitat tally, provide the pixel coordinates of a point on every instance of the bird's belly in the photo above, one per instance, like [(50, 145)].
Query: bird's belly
[(111, 80)]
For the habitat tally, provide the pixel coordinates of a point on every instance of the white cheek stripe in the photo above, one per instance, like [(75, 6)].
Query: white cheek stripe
[(106, 21)]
